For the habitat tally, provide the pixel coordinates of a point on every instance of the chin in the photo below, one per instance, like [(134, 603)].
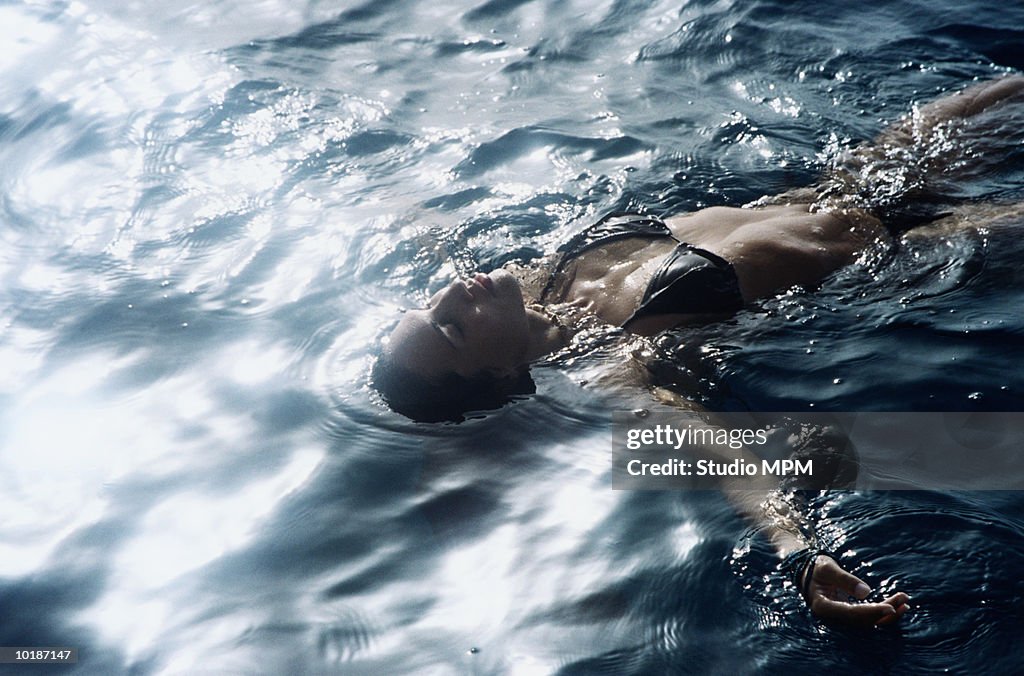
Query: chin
[(506, 284), (502, 277)]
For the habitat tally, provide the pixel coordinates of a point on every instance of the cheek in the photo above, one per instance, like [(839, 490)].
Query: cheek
[(502, 336)]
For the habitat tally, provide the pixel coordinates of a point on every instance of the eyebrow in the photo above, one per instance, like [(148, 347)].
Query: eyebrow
[(437, 327)]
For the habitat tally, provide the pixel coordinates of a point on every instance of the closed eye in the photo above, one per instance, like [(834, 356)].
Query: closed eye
[(447, 335), (454, 332)]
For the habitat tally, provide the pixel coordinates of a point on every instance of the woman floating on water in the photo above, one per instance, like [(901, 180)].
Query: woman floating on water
[(471, 347)]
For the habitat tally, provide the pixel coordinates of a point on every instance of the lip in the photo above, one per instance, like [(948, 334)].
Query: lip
[(483, 280), (474, 289)]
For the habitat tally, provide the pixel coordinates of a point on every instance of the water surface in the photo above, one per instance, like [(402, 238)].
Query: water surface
[(211, 213)]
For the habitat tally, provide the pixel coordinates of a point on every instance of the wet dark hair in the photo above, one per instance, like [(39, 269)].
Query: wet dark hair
[(447, 398)]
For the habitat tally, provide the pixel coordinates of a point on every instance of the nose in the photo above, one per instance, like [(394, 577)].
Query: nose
[(459, 289), (454, 294)]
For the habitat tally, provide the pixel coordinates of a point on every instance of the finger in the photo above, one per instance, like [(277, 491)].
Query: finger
[(858, 613), (849, 583), (899, 602), (889, 619), (897, 599)]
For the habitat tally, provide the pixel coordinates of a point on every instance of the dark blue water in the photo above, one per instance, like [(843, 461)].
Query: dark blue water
[(210, 215)]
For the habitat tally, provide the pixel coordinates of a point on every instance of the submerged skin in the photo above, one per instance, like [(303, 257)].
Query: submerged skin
[(483, 324)]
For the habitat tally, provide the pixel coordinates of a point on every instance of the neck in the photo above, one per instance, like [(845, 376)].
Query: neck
[(546, 336)]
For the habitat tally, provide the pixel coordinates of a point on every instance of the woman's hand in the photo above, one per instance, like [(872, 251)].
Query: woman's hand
[(829, 592)]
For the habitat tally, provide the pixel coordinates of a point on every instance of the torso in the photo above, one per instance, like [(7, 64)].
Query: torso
[(770, 248), (609, 280)]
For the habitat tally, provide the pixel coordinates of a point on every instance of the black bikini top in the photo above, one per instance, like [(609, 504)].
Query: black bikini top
[(614, 226), (690, 280)]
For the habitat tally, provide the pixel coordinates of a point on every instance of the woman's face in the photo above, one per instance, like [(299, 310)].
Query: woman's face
[(472, 326)]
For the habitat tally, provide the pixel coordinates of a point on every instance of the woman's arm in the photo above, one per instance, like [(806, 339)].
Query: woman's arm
[(915, 157), (959, 106), (830, 591)]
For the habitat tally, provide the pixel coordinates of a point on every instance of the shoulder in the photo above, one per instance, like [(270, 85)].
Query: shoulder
[(533, 276)]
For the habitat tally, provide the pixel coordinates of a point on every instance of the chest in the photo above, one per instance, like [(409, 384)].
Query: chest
[(610, 280)]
